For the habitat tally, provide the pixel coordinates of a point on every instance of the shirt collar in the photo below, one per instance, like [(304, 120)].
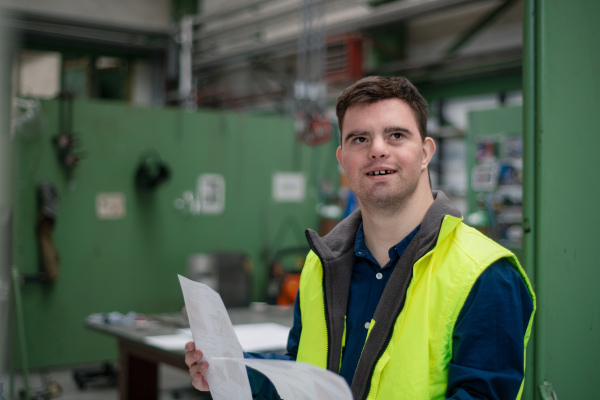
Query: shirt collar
[(395, 252)]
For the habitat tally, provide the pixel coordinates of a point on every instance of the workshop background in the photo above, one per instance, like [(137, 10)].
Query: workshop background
[(137, 135)]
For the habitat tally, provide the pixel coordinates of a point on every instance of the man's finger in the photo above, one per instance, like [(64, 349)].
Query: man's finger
[(190, 346), (203, 367), (200, 383), (198, 369), (198, 378), (192, 357)]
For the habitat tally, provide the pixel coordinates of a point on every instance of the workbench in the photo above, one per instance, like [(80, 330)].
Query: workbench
[(139, 360)]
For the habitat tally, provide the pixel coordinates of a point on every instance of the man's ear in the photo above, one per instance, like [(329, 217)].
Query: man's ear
[(338, 155), (428, 152)]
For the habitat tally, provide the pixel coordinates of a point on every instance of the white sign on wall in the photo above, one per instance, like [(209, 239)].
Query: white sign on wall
[(110, 205), (289, 186), (211, 191)]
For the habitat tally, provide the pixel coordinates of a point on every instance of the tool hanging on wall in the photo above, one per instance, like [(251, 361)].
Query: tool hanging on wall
[(151, 171), (49, 260), (65, 142), (47, 211), (312, 125)]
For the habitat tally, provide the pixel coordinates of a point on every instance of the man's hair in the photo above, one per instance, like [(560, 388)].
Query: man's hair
[(376, 88)]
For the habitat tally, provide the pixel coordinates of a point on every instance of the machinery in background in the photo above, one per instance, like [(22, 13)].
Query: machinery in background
[(497, 180), (228, 273), (310, 90), (284, 275), (495, 164), (107, 375)]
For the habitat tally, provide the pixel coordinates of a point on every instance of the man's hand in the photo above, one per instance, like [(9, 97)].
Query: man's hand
[(197, 370)]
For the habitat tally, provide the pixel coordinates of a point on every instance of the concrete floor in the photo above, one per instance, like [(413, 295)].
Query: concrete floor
[(174, 384)]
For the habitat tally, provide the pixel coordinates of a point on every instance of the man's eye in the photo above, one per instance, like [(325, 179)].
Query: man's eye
[(359, 140), (396, 135)]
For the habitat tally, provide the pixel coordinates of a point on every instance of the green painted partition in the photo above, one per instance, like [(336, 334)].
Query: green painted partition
[(562, 122), (131, 264)]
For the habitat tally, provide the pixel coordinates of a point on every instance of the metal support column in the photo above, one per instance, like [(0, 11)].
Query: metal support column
[(6, 190), (533, 367)]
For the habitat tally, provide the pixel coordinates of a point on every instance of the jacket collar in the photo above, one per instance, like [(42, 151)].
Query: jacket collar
[(341, 238)]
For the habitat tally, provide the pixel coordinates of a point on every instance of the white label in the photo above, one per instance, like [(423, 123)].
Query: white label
[(110, 205), (484, 177), (288, 186), (211, 190)]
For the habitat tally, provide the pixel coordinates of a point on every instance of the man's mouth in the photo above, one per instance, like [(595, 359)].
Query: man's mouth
[(382, 172)]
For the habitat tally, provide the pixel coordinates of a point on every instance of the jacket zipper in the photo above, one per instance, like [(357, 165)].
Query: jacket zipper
[(326, 313), (391, 331), (384, 348)]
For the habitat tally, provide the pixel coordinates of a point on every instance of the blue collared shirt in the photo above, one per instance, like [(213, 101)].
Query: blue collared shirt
[(366, 286)]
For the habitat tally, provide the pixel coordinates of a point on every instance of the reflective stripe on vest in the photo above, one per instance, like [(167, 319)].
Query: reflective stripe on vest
[(415, 363)]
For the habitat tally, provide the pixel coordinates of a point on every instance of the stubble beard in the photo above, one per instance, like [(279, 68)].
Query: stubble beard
[(387, 201)]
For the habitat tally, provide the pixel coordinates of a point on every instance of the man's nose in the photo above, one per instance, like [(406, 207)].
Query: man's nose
[(378, 148)]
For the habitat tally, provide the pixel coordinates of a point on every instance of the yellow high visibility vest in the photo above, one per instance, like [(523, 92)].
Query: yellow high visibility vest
[(415, 363)]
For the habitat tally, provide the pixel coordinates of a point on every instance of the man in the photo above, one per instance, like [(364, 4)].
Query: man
[(401, 298)]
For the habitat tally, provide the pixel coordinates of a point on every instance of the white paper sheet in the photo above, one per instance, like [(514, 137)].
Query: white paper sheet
[(300, 381), (176, 341), (266, 336), (262, 337), (213, 333)]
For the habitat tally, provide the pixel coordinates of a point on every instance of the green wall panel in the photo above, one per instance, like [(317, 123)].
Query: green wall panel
[(567, 143), (131, 264)]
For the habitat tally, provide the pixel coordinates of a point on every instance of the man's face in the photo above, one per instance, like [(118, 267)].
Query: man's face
[(382, 153)]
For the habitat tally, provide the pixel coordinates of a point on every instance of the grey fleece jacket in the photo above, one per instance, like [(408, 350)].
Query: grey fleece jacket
[(336, 252)]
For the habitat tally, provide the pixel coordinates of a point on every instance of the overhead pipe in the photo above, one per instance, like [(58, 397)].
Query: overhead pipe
[(381, 15), (400, 11), (476, 65), (290, 8), (86, 32), (226, 12)]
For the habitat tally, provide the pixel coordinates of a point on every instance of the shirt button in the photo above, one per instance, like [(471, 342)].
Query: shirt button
[(379, 275), (367, 324)]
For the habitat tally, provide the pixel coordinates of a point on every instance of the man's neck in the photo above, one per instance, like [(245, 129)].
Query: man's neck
[(383, 230)]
